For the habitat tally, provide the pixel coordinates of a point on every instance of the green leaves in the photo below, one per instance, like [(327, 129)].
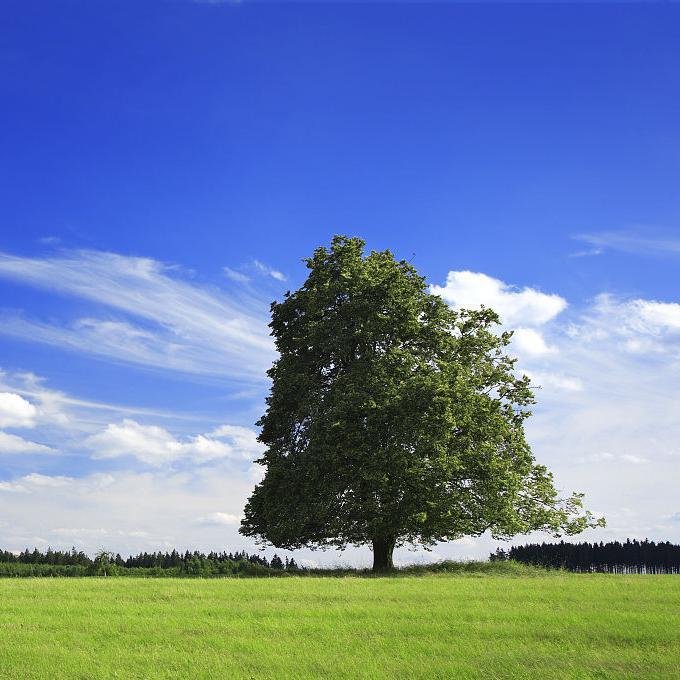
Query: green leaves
[(393, 417)]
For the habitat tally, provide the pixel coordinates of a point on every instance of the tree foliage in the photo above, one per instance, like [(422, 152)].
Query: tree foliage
[(394, 419)]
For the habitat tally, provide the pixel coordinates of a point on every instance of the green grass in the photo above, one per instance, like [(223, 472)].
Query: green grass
[(423, 626)]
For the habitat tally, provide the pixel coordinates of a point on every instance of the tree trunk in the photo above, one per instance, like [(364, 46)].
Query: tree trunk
[(382, 554)]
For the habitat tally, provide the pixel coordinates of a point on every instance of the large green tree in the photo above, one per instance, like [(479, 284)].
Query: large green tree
[(394, 419)]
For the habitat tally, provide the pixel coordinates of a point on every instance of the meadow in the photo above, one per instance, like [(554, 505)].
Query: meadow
[(534, 625)]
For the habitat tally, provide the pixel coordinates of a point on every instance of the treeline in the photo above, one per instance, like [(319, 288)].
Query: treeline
[(76, 563), (71, 557), (631, 557)]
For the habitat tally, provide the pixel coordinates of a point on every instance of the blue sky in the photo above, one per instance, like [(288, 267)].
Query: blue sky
[(167, 165)]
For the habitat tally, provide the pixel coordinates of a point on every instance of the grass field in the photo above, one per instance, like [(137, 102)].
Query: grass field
[(442, 626)]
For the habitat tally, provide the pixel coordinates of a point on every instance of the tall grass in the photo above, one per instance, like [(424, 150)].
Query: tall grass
[(417, 625)]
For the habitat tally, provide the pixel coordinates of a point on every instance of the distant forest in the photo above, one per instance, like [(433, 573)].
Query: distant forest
[(76, 563), (631, 557)]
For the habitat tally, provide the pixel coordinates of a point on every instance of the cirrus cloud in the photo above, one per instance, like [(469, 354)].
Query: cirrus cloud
[(163, 319)]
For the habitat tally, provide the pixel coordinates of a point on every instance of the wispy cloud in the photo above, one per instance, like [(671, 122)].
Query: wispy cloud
[(12, 443), (49, 240), (234, 275), (637, 326), (165, 321), (636, 242), (590, 252), (43, 405), (268, 271), (256, 269)]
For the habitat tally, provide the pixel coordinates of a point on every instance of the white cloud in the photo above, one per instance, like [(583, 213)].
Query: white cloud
[(527, 341), (635, 242), (128, 512), (243, 440), (216, 518), (11, 443), (15, 411), (169, 322), (36, 482), (149, 443), (555, 381), (600, 457), (638, 325), (635, 460), (665, 315), (36, 479), (591, 252), (12, 487), (235, 276), (202, 449), (96, 532), (607, 457), (268, 271), (55, 408), (525, 307), (155, 446)]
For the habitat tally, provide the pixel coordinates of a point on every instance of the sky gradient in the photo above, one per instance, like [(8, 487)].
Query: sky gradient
[(168, 165)]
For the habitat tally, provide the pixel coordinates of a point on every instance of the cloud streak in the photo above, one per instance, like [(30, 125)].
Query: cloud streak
[(268, 271), (628, 241), (164, 321)]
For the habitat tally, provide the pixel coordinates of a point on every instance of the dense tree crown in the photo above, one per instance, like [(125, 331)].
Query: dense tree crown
[(394, 419)]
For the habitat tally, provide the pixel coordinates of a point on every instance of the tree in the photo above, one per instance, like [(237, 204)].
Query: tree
[(394, 419), (103, 563)]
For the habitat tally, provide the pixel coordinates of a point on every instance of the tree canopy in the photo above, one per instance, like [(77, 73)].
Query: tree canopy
[(394, 419)]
